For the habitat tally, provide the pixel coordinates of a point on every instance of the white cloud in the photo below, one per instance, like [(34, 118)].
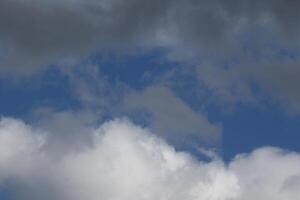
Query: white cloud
[(266, 174), (18, 147), (128, 162)]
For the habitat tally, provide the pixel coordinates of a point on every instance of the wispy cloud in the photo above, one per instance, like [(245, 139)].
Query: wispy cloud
[(173, 117)]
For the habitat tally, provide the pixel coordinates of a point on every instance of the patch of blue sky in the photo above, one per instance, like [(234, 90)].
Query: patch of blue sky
[(4, 195), (136, 70), (47, 89), (245, 129), (248, 128)]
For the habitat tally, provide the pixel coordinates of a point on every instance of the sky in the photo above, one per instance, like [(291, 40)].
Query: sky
[(143, 100)]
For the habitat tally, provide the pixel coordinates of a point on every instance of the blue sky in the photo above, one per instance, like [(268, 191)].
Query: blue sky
[(244, 128), (136, 99)]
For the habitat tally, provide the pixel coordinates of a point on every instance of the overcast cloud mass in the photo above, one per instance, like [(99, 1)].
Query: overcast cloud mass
[(38, 33)]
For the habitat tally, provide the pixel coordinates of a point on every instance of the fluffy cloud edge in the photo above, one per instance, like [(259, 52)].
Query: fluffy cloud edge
[(126, 161)]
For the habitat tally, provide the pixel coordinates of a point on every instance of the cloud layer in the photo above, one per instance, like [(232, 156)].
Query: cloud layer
[(35, 33), (254, 39), (125, 161)]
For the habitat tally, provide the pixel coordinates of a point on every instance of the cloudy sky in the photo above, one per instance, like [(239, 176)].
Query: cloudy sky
[(144, 100)]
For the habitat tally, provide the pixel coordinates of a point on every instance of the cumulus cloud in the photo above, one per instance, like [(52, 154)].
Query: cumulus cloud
[(19, 144), (38, 33), (125, 161)]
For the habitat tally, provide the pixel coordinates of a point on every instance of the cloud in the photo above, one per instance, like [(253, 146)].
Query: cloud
[(254, 83), (172, 116), (69, 129), (229, 85), (35, 35), (39, 33), (92, 88), (125, 161), (261, 180), (155, 106)]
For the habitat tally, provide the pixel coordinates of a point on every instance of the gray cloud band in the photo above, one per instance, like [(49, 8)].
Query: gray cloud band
[(34, 33)]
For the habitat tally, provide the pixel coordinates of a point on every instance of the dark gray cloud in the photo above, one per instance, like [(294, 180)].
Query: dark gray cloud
[(256, 34), (35, 33)]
